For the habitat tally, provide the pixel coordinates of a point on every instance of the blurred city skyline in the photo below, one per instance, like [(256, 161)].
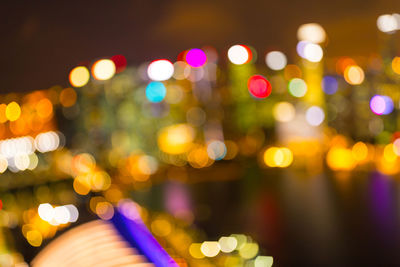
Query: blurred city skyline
[(43, 41)]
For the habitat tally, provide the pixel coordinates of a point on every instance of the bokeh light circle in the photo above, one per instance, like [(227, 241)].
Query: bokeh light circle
[(354, 75), (315, 115), (297, 87), (276, 60), (381, 105), (313, 52), (79, 76), (311, 32), (239, 54), (155, 92), (160, 70), (196, 58), (103, 69), (259, 86), (329, 85), (284, 111)]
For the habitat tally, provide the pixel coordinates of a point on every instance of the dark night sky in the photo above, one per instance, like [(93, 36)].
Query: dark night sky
[(42, 40)]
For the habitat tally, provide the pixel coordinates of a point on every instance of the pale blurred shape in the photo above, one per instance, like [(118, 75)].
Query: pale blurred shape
[(147, 164), (103, 69), (312, 32), (33, 161), (21, 161), (227, 244), (297, 87), (216, 150), (313, 52), (263, 261), (238, 54), (315, 115), (46, 212), (61, 215), (284, 111), (47, 141), (73, 212), (210, 248), (249, 250), (276, 60), (181, 70), (160, 70), (3, 164), (387, 23), (10, 148)]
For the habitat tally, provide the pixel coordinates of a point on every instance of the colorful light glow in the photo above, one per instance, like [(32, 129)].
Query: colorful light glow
[(13, 111), (239, 54), (259, 86), (396, 65), (79, 76), (381, 105), (340, 159), (176, 139), (120, 63), (329, 85), (216, 150), (354, 75), (160, 70), (276, 60), (297, 87), (196, 58), (103, 69), (278, 157), (155, 92)]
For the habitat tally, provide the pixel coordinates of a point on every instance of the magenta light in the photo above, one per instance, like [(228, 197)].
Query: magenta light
[(196, 58), (377, 104)]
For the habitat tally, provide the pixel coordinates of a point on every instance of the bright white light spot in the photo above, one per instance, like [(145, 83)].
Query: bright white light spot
[(210, 248), (315, 115), (263, 261), (46, 212), (313, 52), (276, 60), (387, 23), (311, 32), (103, 69), (227, 244), (46, 142), (238, 54), (21, 162), (73, 213), (61, 215), (160, 70)]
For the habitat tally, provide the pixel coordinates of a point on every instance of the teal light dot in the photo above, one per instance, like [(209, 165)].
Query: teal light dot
[(155, 92)]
